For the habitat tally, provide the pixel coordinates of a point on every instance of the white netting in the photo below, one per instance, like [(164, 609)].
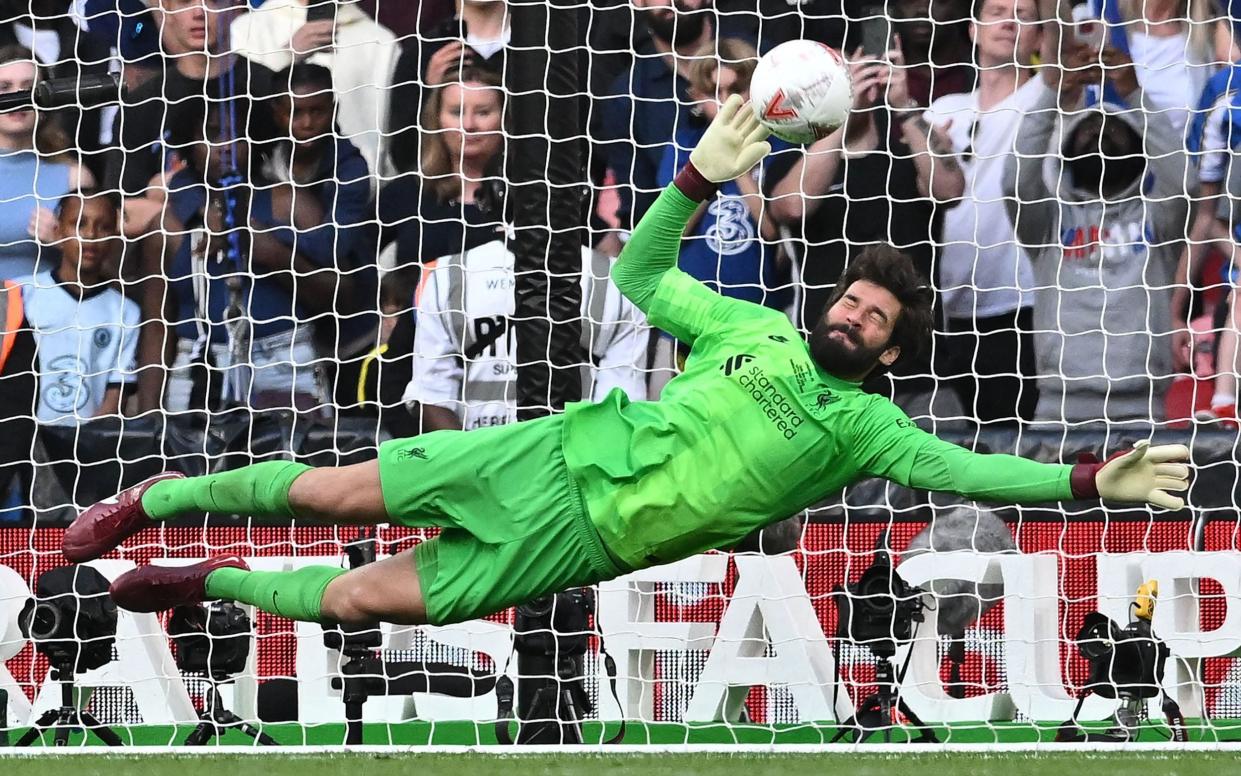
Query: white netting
[(312, 260)]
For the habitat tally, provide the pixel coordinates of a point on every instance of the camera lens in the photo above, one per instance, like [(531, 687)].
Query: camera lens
[(539, 607), (43, 622), (874, 591)]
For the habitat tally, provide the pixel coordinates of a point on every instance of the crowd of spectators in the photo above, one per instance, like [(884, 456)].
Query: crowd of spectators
[(287, 184)]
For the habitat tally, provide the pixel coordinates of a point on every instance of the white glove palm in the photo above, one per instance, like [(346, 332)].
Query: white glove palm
[(1146, 474), (733, 144)]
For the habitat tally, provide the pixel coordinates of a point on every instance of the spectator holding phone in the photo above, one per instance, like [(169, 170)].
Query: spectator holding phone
[(864, 183), (474, 38), (360, 53), (1105, 230), (1171, 44)]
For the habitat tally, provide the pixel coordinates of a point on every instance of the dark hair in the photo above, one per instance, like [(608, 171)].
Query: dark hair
[(891, 269), (302, 74), (81, 195)]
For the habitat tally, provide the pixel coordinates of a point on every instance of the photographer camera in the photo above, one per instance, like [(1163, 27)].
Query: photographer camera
[(72, 622), (1126, 664), (551, 635), (365, 673), (878, 612), (214, 641)]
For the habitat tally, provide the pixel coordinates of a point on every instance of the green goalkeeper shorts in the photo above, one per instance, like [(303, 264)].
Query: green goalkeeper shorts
[(514, 524)]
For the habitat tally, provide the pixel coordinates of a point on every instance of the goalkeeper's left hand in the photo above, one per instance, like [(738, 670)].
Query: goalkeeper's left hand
[(1145, 474), (733, 143)]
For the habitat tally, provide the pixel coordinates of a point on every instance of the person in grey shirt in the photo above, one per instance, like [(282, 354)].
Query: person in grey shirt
[(1104, 224)]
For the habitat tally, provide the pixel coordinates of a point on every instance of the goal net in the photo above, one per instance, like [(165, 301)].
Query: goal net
[(296, 229)]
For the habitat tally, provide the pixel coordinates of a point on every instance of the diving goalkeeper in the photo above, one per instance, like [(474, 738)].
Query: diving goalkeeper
[(759, 425)]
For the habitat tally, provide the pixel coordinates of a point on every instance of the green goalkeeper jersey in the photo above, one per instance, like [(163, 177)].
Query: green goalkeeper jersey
[(752, 431)]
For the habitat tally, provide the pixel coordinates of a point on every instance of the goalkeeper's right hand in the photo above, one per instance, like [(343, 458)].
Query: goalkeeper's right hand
[(733, 144)]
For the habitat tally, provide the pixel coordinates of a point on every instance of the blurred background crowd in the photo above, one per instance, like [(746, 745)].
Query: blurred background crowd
[(300, 205)]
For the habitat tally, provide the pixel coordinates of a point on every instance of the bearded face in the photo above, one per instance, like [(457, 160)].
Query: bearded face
[(839, 350), (679, 22)]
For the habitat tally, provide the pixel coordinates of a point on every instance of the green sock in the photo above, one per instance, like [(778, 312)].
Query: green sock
[(293, 594), (261, 490)]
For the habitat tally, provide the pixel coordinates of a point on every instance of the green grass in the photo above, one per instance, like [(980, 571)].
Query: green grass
[(1084, 764)]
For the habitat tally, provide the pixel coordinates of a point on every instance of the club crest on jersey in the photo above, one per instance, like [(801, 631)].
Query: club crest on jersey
[(733, 363), (821, 402)]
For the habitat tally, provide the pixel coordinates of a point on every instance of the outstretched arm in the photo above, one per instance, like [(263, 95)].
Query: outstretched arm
[(646, 271), (909, 456)]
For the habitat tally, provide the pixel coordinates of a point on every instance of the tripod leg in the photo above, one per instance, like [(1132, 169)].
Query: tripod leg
[(105, 733), (353, 723), (258, 735), (926, 735), (45, 720)]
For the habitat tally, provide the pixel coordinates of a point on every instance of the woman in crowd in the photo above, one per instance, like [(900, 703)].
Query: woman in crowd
[(36, 170), (437, 212)]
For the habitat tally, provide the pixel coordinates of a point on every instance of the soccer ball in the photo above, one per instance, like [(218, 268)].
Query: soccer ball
[(801, 91)]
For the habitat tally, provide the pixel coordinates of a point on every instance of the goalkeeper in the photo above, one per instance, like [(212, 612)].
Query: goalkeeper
[(759, 426)]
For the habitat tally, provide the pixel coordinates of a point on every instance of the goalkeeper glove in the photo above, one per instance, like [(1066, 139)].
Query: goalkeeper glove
[(733, 143), (1144, 474)]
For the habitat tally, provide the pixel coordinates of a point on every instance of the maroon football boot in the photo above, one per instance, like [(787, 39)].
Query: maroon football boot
[(102, 528), (158, 588)]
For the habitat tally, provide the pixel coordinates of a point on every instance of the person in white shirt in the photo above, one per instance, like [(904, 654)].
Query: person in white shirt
[(465, 348), (360, 52), (985, 277), (85, 330)]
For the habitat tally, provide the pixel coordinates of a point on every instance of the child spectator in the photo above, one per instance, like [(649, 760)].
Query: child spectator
[(86, 331), (731, 242), (272, 284)]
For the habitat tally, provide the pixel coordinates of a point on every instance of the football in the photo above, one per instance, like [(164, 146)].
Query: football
[(801, 91)]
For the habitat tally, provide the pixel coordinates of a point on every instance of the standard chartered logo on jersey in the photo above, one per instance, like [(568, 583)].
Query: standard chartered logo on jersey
[(781, 410), (64, 390), (733, 230)]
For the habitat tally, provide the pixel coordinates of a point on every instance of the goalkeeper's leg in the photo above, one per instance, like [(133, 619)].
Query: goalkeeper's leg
[(388, 590), (274, 489)]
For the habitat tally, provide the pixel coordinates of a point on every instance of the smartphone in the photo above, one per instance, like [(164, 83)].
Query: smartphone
[(322, 11), (1087, 29), (876, 34)]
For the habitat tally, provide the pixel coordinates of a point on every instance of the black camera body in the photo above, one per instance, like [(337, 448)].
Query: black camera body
[(879, 609), (213, 640), (71, 619), (1124, 662), (551, 635)]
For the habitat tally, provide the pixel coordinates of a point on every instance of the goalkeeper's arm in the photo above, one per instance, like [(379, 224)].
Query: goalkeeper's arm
[(1144, 474), (892, 447), (733, 144)]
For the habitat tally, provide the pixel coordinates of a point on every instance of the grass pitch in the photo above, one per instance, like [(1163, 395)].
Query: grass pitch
[(1000, 764)]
